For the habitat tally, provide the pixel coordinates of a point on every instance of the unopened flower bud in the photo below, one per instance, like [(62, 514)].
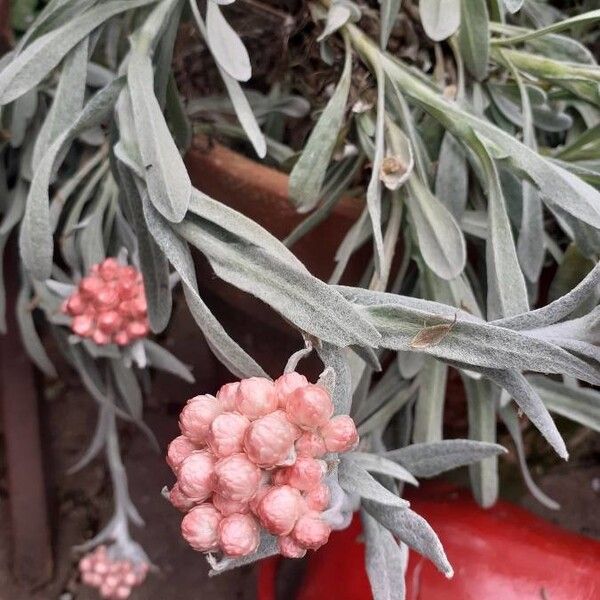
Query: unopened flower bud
[(200, 527), (109, 268), (122, 338), (227, 396), (309, 406), (179, 500), (311, 443), (197, 475), (256, 397), (83, 325), (137, 329), (286, 384), (90, 286), (226, 434), (107, 298), (100, 338), (279, 509), (318, 498), (306, 473), (75, 305), (237, 478), (197, 416), (229, 507), (340, 434), (238, 535), (311, 531), (110, 321), (179, 449), (289, 548), (269, 440)]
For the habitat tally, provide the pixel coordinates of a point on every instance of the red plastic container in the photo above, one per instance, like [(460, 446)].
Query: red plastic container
[(503, 553)]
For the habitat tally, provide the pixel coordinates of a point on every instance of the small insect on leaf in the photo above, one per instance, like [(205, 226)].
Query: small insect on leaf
[(432, 336)]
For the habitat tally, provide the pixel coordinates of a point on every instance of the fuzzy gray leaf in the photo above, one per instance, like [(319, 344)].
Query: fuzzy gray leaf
[(452, 176), (379, 464), (440, 18), (474, 36), (388, 14)]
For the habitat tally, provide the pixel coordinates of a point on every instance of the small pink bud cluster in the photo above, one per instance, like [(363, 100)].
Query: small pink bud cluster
[(114, 579), (251, 457), (109, 305)]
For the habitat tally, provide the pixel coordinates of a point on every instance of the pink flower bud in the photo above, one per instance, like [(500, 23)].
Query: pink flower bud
[(106, 591), (109, 268), (137, 329), (75, 305), (100, 338), (200, 527), (237, 478), (179, 500), (280, 476), (83, 325), (238, 535), (139, 306), (226, 434), (107, 298), (318, 498), (122, 592), (306, 473), (110, 321), (227, 396), (90, 286), (340, 434), (197, 475), (263, 489), (269, 440), (309, 406), (179, 449), (279, 509), (196, 417), (286, 384), (122, 338), (311, 531), (311, 443), (256, 397), (289, 548), (229, 507)]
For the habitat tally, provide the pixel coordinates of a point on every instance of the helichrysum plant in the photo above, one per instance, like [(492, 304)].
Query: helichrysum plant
[(477, 169)]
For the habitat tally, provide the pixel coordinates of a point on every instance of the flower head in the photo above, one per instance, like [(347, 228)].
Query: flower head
[(200, 527), (237, 478), (311, 531), (197, 416), (256, 397), (197, 475), (179, 449), (340, 434), (269, 440), (226, 434), (238, 535), (286, 384), (309, 406), (279, 509)]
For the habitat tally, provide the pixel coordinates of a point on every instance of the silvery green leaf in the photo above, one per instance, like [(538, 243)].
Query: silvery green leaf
[(238, 99), (509, 416), (308, 175), (429, 407), (168, 182), (226, 45), (96, 444), (410, 363), (356, 480), (452, 176), (507, 292), (441, 241), (414, 531), (153, 263), (42, 55), (580, 404), (440, 18), (474, 36), (67, 102), (573, 267), (178, 120), (481, 403), (338, 15), (98, 76), (64, 290), (23, 110), (36, 236), (381, 465), (355, 237), (531, 404), (301, 298), (31, 340), (558, 309), (513, 6), (430, 460), (163, 55), (178, 253), (128, 388), (90, 240), (384, 560), (389, 10)]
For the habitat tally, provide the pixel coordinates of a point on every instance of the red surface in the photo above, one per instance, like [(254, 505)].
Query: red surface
[(503, 553)]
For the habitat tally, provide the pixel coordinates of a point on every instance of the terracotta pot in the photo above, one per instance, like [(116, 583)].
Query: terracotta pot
[(503, 553)]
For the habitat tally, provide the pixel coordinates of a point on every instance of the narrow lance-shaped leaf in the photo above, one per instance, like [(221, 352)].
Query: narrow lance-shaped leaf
[(67, 102), (36, 236), (337, 16), (308, 174), (474, 36), (42, 55), (452, 176), (388, 14), (379, 464), (440, 18), (429, 408), (169, 185)]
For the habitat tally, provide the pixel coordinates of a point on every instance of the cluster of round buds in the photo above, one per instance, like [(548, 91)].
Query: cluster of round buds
[(252, 458), (114, 578), (109, 305)]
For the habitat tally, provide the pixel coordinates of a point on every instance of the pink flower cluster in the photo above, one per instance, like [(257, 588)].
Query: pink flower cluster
[(251, 457), (113, 578), (109, 305)]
